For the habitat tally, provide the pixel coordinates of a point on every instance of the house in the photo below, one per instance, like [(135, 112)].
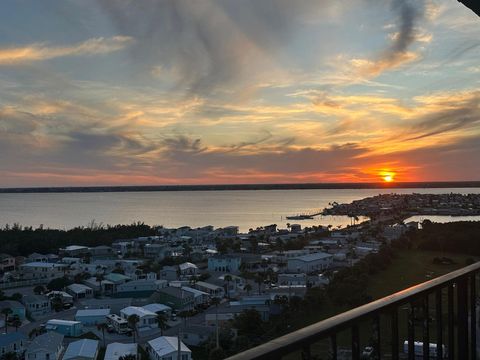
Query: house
[(115, 350), (309, 263), (105, 286), (7, 263), (65, 297), (139, 288), (211, 289), (187, 269), (224, 263), (146, 318), (169, 273), (74, 250), (200, 297), (18, 309), (102, 251), (166, 348), (158, 308), (89, 317), (85, 349), (156, 251), (195, 335), (115, 305), (292, 279), (223, 319), (175, 297), (80, 291), (48, 346), (42, 270), (117, 279), (12, 342), (36, 305), (65, 327)]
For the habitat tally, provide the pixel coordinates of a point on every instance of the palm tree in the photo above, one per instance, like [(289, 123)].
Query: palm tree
[(16, 323), (99, 278), (248, 288), (102, 327), (6, 312), (227, 279), (259, 280), (132, 322), (162, 322), (11, 355)]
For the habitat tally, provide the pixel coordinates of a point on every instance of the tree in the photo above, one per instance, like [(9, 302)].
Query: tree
[(217, 354), (16, 322), (248, 288), (259, 281), (99, 278), (6, 312), (39, 289), (102, 327), (132, 322), (11, 355), (162, 322), (249, 323), (58, 284)]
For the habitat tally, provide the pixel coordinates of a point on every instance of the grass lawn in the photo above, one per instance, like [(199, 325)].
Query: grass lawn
[(411, 267)]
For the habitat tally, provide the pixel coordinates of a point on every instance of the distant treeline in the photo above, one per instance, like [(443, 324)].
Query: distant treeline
[(457, 237), (219, 187), (22, 241)]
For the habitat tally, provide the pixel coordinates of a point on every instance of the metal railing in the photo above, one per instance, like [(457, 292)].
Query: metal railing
[(451, 299)]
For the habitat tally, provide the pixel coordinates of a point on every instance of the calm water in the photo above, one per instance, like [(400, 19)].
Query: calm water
[(244, 208)]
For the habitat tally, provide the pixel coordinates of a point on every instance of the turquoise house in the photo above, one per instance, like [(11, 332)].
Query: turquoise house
[(65, 327)]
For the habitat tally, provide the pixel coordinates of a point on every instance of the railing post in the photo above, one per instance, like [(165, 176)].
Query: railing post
[(333, 344), (451, 336), (394, 325), (462, 318), (426, 324), (473, 316), (438, 310), (306, 354), (377, 337), (411, 332), (355, 343)]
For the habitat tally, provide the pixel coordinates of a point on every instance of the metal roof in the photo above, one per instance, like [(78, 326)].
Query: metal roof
[(165, 345), (86, 348)]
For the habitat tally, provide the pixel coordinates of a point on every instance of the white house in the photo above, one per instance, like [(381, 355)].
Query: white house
[(115, 350), (200, 297), (147, 318), (166, 348), (91, 317), (188, 269), (211, 289), (158, 308), (310, 263), (43, 270), (36, 305), (80, 291), (85, 349), (48, 346)]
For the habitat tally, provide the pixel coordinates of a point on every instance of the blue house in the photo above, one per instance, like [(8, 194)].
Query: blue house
[(90, 317), (12, 342), (65, 327), (224, 263)]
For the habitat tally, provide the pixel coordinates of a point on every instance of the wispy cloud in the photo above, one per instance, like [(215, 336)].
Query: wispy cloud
[(44, 51)]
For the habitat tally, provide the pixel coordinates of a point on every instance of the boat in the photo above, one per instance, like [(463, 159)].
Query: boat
[(300, 217)]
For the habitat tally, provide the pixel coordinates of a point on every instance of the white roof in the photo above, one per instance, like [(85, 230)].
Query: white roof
[(76, 288), (75, 247), (135, 310), (115, 350), (165, 345), (92, 312), (187, 265), (42, 264), (195, 292), (85, 348), (62, 322), (208, 285), (157, 307), (312, 257)]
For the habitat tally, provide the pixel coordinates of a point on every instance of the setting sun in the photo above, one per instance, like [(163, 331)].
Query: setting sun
[(388, 178)]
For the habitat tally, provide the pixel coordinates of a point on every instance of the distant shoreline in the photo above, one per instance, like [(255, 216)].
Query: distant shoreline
[(305, 186)]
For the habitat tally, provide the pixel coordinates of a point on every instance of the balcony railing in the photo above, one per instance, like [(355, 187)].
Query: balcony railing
[(446, 307)]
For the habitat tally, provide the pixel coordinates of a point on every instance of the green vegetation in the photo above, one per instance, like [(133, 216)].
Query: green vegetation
[(22, 241)]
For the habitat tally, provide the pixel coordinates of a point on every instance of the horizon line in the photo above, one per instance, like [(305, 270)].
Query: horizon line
[(253, 186)]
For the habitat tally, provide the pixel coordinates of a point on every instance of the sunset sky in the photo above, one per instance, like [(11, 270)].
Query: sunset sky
[(107, 92)]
